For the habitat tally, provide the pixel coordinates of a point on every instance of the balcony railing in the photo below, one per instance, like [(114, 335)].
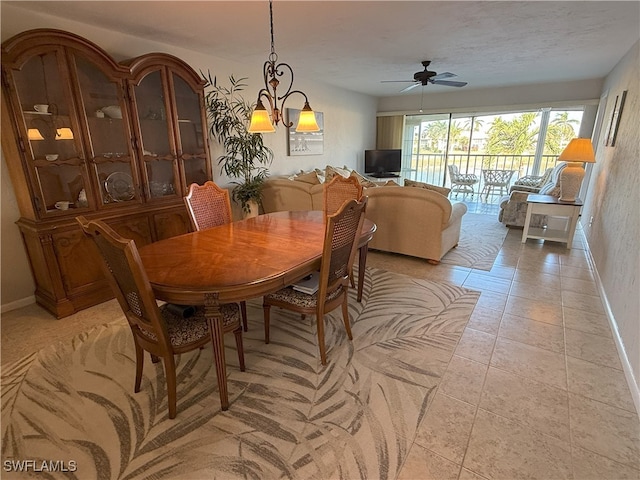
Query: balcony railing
[(432, 167)]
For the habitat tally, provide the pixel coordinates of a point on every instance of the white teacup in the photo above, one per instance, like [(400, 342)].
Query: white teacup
[(62, 205), (41, 107)]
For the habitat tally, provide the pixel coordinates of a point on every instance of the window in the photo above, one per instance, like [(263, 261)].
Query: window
[(528, 142)]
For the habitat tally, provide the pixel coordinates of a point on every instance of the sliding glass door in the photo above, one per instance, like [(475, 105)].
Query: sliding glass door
[(525, 142)]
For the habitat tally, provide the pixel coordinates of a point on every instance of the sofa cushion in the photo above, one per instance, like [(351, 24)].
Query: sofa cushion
[(362, 180), (330, 172), (391, 183), (441, 190), (310, 177)]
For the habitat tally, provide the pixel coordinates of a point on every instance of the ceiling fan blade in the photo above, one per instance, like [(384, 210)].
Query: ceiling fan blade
[(442, 76), (396, 81), (410, 87), (448, 83)]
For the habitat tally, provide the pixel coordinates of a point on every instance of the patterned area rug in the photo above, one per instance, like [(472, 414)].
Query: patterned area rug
[(481, 237), (290, 417)]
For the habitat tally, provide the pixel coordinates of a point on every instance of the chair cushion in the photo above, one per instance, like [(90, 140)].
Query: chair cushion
[(441, 190), (188, 330), (299, 299)]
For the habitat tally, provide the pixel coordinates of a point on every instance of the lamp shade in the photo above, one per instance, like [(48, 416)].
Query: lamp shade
[(260, 120), (307, 120), (64, 133), (34, 134), (578, 150)]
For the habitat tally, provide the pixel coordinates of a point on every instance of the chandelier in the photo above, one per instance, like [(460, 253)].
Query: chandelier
[(261, 120)]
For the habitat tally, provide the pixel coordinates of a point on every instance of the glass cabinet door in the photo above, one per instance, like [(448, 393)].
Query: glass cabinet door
[(110, 156), (191, 135), (160, 168), (51, 131)]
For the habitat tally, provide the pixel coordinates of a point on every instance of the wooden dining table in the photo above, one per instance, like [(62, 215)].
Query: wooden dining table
[(239, 261)]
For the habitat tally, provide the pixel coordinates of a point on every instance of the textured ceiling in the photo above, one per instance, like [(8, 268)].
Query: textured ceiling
[(356, 44)]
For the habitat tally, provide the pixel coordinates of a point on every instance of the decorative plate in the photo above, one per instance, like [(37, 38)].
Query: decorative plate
[(119, 186)]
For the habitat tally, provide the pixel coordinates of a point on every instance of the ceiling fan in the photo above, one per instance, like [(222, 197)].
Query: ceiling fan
[(425, 77)]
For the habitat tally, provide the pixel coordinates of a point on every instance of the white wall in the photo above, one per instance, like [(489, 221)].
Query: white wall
[(349, 119), (481, 100), (613, 203)]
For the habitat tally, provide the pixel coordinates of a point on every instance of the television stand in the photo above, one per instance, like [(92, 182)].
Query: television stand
[(383, 175)]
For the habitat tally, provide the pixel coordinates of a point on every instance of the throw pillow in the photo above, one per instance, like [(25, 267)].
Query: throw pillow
[(550, 189), (330, 172), (311, 177), (427, 186), (362, 180), (391, 183)]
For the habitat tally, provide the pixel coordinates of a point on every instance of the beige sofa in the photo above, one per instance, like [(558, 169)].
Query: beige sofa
[(411, 221)]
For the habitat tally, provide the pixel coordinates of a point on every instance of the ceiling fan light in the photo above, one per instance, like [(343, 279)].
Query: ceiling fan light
[(260, 120), (307, 121)]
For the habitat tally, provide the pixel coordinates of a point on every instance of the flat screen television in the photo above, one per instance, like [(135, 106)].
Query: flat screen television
[(382, 163)]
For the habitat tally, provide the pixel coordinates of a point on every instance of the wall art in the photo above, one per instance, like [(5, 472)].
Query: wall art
[(305, 143)]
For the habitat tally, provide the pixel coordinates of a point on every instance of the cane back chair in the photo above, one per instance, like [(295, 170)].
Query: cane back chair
[(209, 206), (336, 192), (155, 329), (340, 245)]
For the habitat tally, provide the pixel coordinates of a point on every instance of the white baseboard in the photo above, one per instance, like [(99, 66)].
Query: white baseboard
[(624, 359), (23, 302)]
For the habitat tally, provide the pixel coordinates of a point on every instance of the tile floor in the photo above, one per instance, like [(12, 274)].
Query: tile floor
[(535, 388)]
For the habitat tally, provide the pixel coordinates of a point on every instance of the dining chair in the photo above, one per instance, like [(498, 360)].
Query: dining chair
[(158, 330), (339, 190), (340, 245), (208, 206), (335, 193)]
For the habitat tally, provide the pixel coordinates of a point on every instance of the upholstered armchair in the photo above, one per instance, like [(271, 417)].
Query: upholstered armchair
[(513, 208), (531, 183)]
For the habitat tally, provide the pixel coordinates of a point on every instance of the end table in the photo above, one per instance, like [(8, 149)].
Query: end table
[(548, 205)]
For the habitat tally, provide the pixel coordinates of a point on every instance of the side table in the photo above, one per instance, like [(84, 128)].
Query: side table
[(548, 205)]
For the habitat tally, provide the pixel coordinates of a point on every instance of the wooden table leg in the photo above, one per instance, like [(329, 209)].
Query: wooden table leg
[(362, 263), (214, 319)]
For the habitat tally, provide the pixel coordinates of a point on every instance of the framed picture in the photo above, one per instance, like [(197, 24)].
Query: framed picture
[(304, 143), (615, 119)]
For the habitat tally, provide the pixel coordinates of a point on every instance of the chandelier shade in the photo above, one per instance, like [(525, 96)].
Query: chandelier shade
[(261, 120)]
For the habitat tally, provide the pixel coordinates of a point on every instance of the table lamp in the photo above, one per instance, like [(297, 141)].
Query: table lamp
[(575, 154)]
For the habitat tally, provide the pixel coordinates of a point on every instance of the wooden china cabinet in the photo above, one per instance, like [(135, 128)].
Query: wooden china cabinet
[(85, 135)]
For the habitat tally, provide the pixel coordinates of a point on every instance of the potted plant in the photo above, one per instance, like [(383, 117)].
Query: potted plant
[(245, 156)]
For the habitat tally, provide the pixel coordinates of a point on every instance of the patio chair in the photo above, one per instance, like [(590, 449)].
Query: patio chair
[(158, 330), (209, 206), (461, 182), (340, 245), (496, 179)]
